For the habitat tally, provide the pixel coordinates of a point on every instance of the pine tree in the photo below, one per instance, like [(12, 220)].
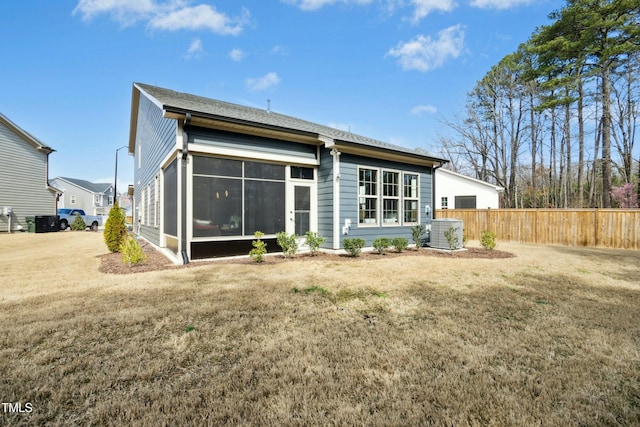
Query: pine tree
[(115, 229)]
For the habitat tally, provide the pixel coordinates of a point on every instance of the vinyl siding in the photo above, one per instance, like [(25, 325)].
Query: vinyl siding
[(250, 143), (325, 197), (156, 139), (23, 180), (349, 197)]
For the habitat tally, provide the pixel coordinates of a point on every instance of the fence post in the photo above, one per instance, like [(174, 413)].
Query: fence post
[(595, 211)]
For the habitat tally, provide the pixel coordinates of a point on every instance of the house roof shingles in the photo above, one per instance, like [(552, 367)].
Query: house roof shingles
[(93, 187), (182, 103)]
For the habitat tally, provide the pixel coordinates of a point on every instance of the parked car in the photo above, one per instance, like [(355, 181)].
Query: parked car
[(68, 215)]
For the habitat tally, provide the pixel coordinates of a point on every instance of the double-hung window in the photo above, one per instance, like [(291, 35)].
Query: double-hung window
[(388, 197), (368, 196), (411, 198)]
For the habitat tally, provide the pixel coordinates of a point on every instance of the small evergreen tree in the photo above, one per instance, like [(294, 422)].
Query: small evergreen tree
[(416, 233), (78, 223), (259, 247), (313, 240), (115, 229), (132, 253), (288, 243)]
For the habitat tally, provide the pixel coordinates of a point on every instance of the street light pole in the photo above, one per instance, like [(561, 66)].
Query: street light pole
[(115, 184)]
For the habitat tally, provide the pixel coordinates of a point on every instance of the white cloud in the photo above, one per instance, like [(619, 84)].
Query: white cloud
[(424, 7), (319, 4), (262, 83), (420, 109), (424, 53), (170, 15), (237, 55), (279, 50), (499, 4), (201, 17), (124, 11), (196, 50)]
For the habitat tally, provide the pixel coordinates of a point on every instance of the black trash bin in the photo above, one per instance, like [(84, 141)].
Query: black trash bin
[(47, 223)]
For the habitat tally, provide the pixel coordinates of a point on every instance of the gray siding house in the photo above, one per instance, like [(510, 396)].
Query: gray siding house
[(24, 169), (208, 174), (93, 198)]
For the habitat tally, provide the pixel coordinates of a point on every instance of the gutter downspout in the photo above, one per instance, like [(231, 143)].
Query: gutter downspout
[(183, 189)]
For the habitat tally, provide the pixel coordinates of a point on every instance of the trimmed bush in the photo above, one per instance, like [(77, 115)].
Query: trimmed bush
[(400, 243), (288, 243), (488, 240), (313, 240), (353, 245), (417, 231), (381, 244), (452, 237), (132, 253), (78, 223), (259, 247), (115, 229)]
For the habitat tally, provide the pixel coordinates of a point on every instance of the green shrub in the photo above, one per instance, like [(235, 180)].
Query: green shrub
[(259, 247), (417, 231), (132, 253), (353, 245), (313, 240), (452, 237), (400, 243), (78, 223), (115, 229), (488, 240), (288, 243), (381, 244)]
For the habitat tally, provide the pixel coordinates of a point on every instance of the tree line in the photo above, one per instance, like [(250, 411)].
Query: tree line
[(554, 123)]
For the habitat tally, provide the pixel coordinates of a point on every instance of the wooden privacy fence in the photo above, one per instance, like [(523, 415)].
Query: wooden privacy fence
[(611, 228)]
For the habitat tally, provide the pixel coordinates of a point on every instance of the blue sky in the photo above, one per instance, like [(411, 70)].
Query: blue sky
[(387, 69)]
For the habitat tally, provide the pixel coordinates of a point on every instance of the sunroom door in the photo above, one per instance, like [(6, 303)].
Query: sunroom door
[(301, 208)]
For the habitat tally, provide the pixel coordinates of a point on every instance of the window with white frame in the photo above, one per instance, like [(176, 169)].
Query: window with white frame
[(110, 200), (97, 198), (148, 205), (395, 194), (444, 202), (72, 199), (411, 198), (390, 197), (368, 196), (143, 202), (156, 198)]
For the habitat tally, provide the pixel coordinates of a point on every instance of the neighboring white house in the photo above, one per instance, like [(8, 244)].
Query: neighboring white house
[(24, 166), (94, 198), (455, 191)]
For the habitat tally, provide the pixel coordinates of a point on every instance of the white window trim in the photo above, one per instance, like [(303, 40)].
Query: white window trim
[(380, 197), (400, 189), (405, 198), (377, 197), (156, 208)]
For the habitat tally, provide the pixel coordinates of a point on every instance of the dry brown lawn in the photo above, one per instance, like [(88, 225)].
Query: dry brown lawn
[(550, 337)]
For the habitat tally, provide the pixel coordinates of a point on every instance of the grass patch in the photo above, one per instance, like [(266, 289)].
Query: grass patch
[(379, 343)]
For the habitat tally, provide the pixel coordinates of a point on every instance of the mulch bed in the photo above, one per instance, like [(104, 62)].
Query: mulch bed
[(111, 263)]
